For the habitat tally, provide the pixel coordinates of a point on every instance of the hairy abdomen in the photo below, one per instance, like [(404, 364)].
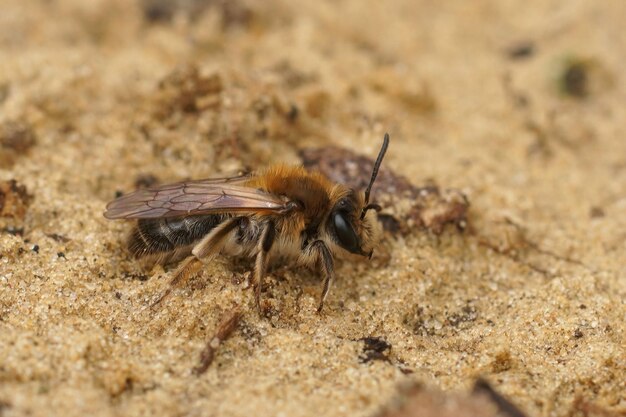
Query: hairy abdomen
[(158, 236)]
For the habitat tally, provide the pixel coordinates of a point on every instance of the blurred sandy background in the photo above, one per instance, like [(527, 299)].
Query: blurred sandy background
[(519, 105)]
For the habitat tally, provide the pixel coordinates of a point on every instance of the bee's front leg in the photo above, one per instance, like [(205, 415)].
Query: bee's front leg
[(266, 240), (327, 264)]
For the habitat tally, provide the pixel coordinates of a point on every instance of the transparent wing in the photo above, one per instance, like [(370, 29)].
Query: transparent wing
[(190, 198)]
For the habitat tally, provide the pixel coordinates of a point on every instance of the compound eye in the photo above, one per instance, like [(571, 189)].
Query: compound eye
[(345, 233)]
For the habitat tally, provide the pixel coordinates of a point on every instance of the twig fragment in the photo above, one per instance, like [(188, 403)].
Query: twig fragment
[(224, 330), (504, 405)]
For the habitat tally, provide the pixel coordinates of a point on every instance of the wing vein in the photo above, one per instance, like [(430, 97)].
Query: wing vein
[(194, 198)]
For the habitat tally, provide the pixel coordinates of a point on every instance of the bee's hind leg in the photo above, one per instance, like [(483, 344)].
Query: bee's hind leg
[(187, 269), (208, 248), (266, 240), (327, 264)]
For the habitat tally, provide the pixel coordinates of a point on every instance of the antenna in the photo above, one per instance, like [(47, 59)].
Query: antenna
[(379, 160)]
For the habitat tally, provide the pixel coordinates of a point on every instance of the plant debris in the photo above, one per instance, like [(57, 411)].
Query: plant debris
[(405, 206), (58, 238), (521, 50), (231, 12), (12, 230), (16, 138), (374, 349), (145, 181), (415, 400), (187, 90), (574, 79), (506, 407), (581, 77), (224, 330), (14, 200)]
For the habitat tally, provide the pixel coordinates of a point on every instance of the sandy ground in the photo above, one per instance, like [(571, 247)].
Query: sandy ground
[(520, 105)]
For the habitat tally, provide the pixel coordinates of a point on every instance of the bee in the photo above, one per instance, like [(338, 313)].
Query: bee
[(283, 211)]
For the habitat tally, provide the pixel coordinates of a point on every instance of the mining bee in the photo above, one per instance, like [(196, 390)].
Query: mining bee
[(283, 211)]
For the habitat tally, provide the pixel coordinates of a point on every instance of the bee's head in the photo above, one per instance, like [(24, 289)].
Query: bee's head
[(352, 223), (352, 227)]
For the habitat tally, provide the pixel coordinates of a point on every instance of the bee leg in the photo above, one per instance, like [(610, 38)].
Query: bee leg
[(187, 268), (265, 244), (209, 247), (327, 264)]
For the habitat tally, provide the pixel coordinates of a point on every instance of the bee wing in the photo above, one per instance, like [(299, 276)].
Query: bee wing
[(193, 198)]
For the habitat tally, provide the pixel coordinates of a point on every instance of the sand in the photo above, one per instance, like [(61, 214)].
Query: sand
[(518, 106)]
